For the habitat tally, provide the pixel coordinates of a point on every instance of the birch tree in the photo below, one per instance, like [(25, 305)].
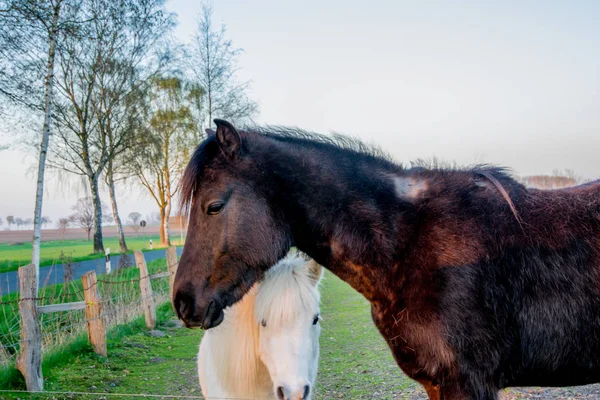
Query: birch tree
[(84, 215), (119, 100), (214, 62), (28, 27), (97, 76)]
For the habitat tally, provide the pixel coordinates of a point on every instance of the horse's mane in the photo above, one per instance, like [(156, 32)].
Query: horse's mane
[(208, 148), (335, 140), (236, 342), (498, 176), (285, 291)]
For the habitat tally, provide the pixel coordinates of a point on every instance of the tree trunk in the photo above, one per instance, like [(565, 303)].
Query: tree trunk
[(98, 243), (164, 226), (210, 121), (39, 195), (113, 202), (166, 223)]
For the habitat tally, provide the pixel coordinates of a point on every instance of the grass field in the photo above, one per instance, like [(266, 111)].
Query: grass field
[(355, 361), (12, 256), (121, 302)]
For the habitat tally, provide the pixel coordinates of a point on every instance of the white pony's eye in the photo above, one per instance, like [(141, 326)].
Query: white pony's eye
[(263, 323), (316, 319)]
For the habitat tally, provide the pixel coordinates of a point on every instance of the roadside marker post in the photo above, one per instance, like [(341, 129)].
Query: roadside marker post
[(108, 267)]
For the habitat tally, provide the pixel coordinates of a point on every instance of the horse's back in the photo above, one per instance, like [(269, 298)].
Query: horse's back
[(561, 215), (592, 188)]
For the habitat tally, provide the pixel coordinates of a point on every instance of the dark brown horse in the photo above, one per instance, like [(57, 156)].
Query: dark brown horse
[(476, 282)]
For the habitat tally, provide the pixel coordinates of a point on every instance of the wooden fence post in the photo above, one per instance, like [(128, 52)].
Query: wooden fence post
[(146, 290), (29, 361), (172, 264), (93, 312)]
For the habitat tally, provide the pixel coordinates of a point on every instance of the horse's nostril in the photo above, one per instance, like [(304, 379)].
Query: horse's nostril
[(306, 391), (182, 307), (280, 393)]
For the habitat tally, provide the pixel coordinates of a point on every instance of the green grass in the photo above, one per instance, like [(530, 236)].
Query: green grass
[(12, 256), (355, 361), (75, 367), (126, 293)]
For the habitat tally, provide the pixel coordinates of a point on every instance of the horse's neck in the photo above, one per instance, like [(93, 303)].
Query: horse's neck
[(336, 215), (235, 347)]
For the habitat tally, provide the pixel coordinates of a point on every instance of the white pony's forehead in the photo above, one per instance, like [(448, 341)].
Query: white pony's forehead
[(287, 293)]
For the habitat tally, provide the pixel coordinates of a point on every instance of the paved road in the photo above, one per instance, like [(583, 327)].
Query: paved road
[(9, 281)]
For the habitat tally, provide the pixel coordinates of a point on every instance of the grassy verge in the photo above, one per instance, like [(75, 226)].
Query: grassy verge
[(355, 361), (137, 362), (120, 301), (12, 256)]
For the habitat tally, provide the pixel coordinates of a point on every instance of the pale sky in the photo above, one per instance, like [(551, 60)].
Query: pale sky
[(506, 82)]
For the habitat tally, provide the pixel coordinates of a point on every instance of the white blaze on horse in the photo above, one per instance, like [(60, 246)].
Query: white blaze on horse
[(268, 344)]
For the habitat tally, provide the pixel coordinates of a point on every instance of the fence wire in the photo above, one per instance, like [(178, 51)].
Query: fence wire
[(105, 395), (119, 298)]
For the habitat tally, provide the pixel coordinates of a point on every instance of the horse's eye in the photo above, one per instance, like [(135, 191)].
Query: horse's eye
[(215, 208), (316, 320), (263, 323)]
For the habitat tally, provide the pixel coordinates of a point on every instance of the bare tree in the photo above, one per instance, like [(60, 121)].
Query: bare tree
[(29, 29), (1, 222), (125, 75), (96, 74), (63, 225), (214, 62), (19, 222), (46, 221), (135, 218), (84, 215), (10, 220)]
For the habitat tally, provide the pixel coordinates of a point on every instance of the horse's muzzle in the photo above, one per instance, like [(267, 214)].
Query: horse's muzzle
[(196, 313), (213, 316)]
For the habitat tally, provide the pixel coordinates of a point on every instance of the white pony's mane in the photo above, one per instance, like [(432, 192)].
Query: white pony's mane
[(287, 290)]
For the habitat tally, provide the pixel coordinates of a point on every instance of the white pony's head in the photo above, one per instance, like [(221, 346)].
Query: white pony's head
[(287, 308)]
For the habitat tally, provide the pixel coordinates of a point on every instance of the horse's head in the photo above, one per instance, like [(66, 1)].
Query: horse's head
[(234, 235), (287, 308)]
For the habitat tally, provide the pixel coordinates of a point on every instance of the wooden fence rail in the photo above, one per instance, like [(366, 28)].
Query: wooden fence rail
[(29, 360)]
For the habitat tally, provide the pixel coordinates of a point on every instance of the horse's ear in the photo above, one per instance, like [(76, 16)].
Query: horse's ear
[(228, 138), (210, 132), (315, 271)]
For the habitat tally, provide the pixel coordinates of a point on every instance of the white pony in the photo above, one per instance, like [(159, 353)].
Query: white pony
[(268, 344)]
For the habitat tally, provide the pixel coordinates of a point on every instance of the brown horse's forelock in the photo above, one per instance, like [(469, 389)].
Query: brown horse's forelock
[(189, 180)]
